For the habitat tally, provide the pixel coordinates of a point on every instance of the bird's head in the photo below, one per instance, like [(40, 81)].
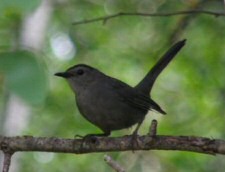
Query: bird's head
[(80, 76)]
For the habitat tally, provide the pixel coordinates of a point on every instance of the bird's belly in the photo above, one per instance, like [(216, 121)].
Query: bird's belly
[(109, 114)]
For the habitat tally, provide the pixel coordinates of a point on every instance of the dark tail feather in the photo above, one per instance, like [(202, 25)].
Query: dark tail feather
[(147, 83), (156, 107)]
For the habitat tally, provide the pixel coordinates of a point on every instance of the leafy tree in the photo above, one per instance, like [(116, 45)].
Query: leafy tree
[(191, 89)]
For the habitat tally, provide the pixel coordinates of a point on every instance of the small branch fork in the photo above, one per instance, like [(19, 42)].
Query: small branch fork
[(151, 141), (188, 12)]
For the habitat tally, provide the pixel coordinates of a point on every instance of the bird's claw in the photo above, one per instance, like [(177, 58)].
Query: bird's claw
[(134, 141)]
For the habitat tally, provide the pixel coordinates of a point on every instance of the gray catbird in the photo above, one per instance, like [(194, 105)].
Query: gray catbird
[(111, 104)]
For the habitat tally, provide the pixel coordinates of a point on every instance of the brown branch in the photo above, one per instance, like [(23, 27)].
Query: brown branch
[(7, 162), (153, 128), (112, 163), (188, 12), (151, 141), (109, 144), (7, 156)]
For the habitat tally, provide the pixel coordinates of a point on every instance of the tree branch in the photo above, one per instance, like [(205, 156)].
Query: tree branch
[(7, 162), (151, 141), (7, 156), (113, 164), (109, 144), (188, 12)]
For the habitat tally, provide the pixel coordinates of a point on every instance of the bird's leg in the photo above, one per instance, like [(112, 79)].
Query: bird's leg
[(134, 140), (137, 128)]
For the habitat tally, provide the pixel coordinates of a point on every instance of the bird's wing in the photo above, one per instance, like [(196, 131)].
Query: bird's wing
[(134, 97)]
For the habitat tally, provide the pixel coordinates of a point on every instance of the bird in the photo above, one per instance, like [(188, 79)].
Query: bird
[(111, 104)]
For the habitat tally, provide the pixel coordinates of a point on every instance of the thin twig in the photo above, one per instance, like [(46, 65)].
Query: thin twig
[(153, 128), (7, 162), (112, 163), (8, 152), (188, 12), (184, 21)]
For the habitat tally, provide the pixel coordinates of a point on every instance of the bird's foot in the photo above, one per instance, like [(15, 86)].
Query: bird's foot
[(90, 138), (134, 141), (78, 136), (134, 137)]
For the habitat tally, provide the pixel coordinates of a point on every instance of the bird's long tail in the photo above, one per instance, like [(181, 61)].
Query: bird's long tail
[(147, 82)]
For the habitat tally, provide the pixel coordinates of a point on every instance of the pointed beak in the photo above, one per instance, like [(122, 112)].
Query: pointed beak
[(64, 74)]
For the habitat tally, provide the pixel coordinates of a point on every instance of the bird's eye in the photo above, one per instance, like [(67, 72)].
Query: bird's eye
[(80, 72)]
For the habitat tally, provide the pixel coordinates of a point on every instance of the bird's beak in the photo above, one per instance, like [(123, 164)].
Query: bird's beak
[(64, 74)]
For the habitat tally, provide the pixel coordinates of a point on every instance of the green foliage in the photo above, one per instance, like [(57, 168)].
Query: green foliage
[(191, 90), (24, 76), (8, 7)]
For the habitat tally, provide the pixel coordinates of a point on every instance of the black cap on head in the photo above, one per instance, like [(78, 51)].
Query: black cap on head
[(79, 65)]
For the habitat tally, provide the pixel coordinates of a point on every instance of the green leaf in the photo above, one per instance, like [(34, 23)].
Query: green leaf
[(24, 76), (18, 6)]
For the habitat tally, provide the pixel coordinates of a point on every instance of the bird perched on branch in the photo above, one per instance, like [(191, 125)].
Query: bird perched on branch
[(111, 104)]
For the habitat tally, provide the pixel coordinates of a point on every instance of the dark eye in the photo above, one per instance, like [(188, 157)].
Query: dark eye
[(80, 72)]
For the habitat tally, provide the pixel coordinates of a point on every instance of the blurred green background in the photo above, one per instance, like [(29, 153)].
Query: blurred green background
[(37, 39)]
